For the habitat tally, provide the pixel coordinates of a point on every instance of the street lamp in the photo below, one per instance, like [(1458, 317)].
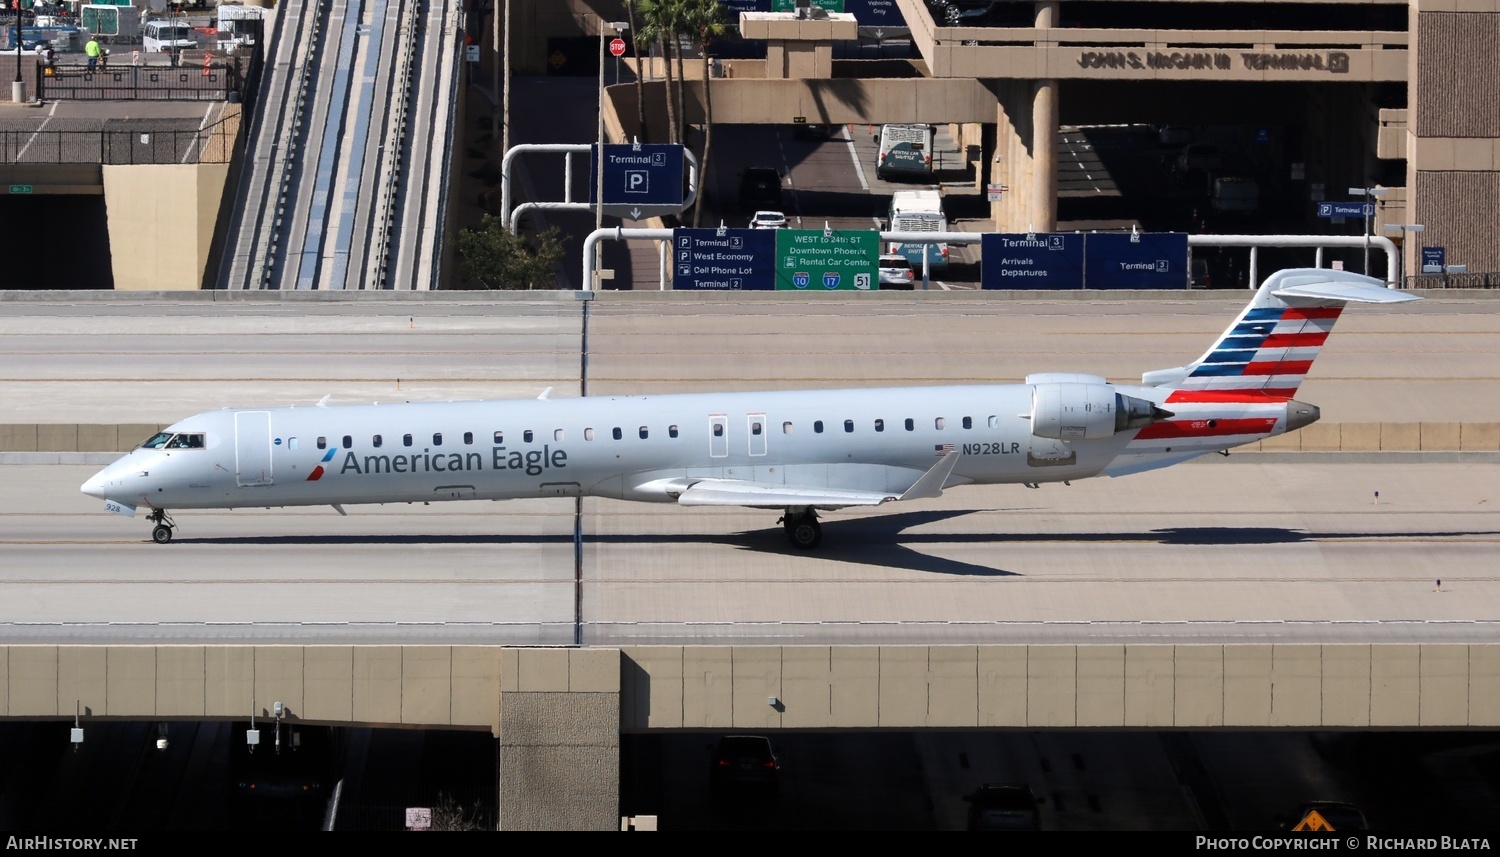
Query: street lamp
[(18, 87), (1369, 206), (1404, 228)]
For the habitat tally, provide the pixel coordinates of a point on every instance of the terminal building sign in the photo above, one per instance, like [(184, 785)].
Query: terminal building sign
[(1335, 62)]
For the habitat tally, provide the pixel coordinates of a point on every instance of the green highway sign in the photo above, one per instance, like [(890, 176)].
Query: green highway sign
[(811, 260), (20, 188)]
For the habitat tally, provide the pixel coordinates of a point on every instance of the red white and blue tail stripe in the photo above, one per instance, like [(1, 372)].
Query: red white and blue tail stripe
[(1269, 349)]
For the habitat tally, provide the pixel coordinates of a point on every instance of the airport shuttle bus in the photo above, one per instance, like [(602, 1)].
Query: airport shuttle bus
[(905, 152), (919, 211)]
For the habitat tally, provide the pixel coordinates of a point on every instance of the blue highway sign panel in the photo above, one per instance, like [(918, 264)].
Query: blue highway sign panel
[(640, 181), (1040, 261), (736, 260), (1155, 260), (1346, 209)]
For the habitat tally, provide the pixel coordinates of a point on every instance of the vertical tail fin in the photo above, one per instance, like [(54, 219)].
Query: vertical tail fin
[(1272, 344)]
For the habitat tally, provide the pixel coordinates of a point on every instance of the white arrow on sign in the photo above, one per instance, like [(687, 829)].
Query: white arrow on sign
[(880, 34), (635, 214)]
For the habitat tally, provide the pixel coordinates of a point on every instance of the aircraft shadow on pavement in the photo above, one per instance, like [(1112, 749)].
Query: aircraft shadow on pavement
[(873, 540)]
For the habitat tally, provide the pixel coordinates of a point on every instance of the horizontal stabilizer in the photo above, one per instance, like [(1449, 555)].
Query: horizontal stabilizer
[(733, 492), (1332, 291)]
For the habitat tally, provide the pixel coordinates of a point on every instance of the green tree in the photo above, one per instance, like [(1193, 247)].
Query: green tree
[(496, 259)]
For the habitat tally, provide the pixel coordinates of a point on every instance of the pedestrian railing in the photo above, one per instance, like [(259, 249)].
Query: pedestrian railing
[(145, 144)]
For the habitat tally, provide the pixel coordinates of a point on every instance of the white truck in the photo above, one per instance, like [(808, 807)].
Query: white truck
[(919, 211), (238, 24)]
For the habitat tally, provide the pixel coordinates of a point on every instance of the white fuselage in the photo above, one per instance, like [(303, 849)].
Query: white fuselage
[(636, 448)]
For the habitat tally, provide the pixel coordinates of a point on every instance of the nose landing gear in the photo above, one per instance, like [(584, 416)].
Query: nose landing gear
[(802, 527), (162, 532)]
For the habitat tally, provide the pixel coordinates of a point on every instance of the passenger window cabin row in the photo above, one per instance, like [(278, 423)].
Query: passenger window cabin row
[(644, 432)]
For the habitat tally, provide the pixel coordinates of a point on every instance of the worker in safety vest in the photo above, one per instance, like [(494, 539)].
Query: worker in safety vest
[(93, 51)]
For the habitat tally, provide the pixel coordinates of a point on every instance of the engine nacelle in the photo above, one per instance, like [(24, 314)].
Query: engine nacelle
[(1085, 411)]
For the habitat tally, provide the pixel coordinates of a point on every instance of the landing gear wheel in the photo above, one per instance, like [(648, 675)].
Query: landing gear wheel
[(162, 532), (804, 532)]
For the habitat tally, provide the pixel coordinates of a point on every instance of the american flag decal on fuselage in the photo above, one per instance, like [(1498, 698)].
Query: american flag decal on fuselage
[(1269, 350)]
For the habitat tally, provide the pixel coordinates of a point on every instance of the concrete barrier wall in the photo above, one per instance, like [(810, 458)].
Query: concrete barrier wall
[(1060, 686), (1318, 437), (591, 694)]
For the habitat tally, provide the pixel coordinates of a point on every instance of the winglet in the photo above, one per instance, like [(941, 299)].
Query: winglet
[(930, 484), (323, 402), (545, 393)]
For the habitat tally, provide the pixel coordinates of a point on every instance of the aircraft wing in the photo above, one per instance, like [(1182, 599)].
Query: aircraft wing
[(738, 492), (741, 492)]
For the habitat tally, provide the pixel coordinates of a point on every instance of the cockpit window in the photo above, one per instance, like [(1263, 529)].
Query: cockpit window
[(157, 441), (170, 440)]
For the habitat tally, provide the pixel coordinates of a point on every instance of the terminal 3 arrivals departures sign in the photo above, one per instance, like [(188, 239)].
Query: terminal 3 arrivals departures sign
[(1076, 260)]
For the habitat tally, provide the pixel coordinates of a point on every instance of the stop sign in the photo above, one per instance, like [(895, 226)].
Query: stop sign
[(617, 47)]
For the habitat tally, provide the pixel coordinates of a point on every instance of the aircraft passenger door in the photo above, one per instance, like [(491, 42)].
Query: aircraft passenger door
[(252, 448), (718, 436), (755, 425)]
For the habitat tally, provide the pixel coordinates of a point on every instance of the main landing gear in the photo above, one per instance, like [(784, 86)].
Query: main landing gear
[(162, 532), (802, 527)]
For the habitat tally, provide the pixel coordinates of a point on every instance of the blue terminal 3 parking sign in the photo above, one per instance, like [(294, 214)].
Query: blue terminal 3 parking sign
[(1040, 261), (1155, 260), (723, 260), (642, 180)]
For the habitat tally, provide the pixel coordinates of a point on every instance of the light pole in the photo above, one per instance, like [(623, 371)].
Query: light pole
[(605, 28), (1369, 193), (17, 87), (1404, 228)]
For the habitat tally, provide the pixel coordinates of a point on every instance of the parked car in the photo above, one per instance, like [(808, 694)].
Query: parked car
[(768, 220), (995, 806), (895, 272), (760, 188), (743, 761)]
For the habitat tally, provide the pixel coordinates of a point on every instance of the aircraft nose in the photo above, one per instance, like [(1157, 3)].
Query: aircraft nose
[(100, 484), (96, 484)]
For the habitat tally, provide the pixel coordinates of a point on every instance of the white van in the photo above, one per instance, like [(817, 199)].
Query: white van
[(162, 36)]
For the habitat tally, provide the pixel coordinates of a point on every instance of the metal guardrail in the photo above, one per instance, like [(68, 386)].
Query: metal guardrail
[(215, 144), (1483, 280)]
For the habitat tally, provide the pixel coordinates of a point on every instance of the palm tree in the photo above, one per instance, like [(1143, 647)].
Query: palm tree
[(640, 86), (705, 20), (661, 24)]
